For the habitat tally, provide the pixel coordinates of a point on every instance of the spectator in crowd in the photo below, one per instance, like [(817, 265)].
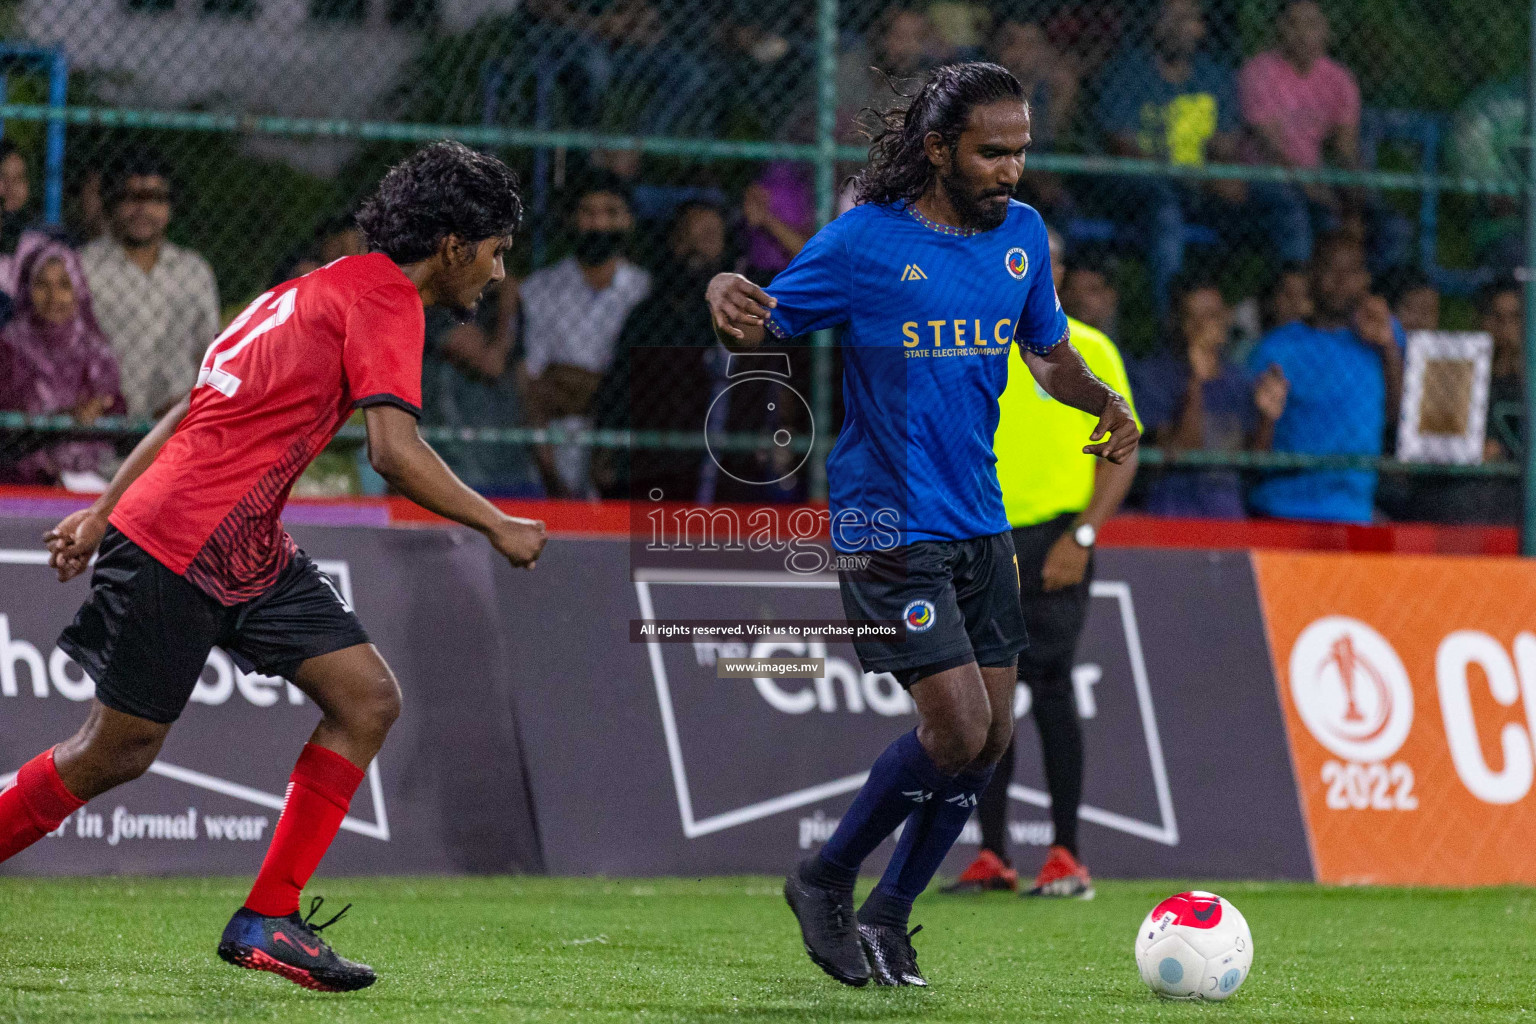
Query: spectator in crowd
[(1092, 31), (652, 202), (1501, 312), (1088, 291), (1344, 370), (157, 302), (779, 209), (630, 61), (468, 379), (333, 239), (1172, 102), (961, 26), (341, 237), (54, 359), (1488, 142), (572, 313), (1285, 297), (88, 216), (903, 51), (1295, 102), (1050, 80), (1192, 398), (661, 377), (760, 48), (15, 196), (1414, 299), (1049, 77), (1288, 298), (1460, 500)]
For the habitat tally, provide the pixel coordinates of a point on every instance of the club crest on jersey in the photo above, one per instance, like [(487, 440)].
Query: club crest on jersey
[(919, 616), (1017, 262)]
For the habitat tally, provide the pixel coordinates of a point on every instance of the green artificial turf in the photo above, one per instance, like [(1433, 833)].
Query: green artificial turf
[(526, 949)]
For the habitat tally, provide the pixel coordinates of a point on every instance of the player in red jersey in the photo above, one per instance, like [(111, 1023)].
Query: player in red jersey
[(193, 555)]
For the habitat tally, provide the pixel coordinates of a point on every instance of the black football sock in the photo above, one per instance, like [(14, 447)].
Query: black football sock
[(1061, 740), (821, 873)]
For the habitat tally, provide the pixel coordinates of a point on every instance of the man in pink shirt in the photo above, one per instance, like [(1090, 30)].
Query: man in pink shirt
[(1294, 101)]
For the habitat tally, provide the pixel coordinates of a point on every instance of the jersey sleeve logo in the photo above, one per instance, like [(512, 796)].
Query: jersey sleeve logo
[(913, 273), (1017, 262)]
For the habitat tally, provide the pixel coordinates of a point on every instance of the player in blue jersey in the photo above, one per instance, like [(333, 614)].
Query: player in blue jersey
[(932, 278)]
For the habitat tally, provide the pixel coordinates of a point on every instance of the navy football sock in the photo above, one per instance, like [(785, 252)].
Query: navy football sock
[(903, 777), (928, 835)]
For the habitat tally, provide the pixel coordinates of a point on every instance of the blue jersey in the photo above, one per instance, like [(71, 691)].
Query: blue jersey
[(929, 314), (1335, 406)]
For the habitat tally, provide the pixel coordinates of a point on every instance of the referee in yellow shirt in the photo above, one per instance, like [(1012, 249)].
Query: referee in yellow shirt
[(1057, 498)]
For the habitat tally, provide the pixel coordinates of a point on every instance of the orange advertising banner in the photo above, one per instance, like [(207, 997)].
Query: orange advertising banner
[(1408, 685)]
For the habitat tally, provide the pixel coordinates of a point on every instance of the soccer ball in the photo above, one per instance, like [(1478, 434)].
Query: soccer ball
[(1194, 945)]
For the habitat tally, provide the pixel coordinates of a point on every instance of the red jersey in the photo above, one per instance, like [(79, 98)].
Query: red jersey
[(273, 390)]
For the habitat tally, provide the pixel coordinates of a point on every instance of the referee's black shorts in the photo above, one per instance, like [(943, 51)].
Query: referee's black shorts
[(1054, 618), (959, 600), (145, 632)]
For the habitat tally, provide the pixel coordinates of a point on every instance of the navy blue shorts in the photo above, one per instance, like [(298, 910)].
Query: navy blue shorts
[(145, 632), (959, 600)]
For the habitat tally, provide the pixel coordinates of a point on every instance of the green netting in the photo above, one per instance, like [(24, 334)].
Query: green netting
[(1177, 144)]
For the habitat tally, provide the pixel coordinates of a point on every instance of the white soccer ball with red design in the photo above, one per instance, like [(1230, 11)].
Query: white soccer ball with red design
[(1194, 945)]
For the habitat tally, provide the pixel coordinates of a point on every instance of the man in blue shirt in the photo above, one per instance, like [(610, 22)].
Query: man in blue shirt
[(1345, 374), (932, 278), (1173, 103)]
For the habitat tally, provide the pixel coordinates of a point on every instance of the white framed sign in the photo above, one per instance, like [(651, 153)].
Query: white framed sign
[(1445, 397)]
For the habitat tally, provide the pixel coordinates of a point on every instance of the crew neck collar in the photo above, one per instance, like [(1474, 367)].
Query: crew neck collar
[(943, 229)]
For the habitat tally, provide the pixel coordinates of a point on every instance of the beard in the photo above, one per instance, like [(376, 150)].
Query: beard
[(977, 209), (464, 312)]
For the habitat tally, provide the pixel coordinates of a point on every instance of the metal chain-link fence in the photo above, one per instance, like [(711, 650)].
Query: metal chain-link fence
[(1264, 203)]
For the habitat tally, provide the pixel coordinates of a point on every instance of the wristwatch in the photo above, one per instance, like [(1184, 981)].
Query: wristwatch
[(1085, 535)]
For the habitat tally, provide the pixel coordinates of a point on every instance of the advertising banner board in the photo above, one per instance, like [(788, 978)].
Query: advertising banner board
[(446, 794), (642, 760), (1409, 690), (543, 731)]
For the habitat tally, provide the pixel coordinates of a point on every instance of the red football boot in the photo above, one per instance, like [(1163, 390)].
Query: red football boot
[(987, 872), (1063, 875)]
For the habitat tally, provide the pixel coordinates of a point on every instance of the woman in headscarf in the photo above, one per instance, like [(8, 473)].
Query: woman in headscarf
[(54, 359)]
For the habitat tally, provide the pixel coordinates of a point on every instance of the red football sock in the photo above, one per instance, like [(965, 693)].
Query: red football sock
[(319, 793), (37, 804)]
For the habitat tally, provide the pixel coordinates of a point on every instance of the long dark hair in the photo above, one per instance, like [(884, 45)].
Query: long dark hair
[(898, 166)]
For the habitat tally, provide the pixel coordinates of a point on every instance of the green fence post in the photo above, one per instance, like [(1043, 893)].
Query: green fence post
[(1528, 534), (826, 199)]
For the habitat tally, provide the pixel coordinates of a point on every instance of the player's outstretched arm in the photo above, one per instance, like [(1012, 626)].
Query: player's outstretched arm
[(1062, 374), (739, 309), (74, 540), (397, 451)]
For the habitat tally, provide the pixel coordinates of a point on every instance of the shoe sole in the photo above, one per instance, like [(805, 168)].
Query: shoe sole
[(1085, 893), (252, 959), (831, 971)]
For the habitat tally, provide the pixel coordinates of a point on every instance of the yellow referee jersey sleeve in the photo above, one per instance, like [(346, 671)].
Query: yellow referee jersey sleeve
[(1039, 442)]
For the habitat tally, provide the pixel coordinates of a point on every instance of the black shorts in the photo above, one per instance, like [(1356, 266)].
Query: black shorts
[(959, 599), (145, 632)]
